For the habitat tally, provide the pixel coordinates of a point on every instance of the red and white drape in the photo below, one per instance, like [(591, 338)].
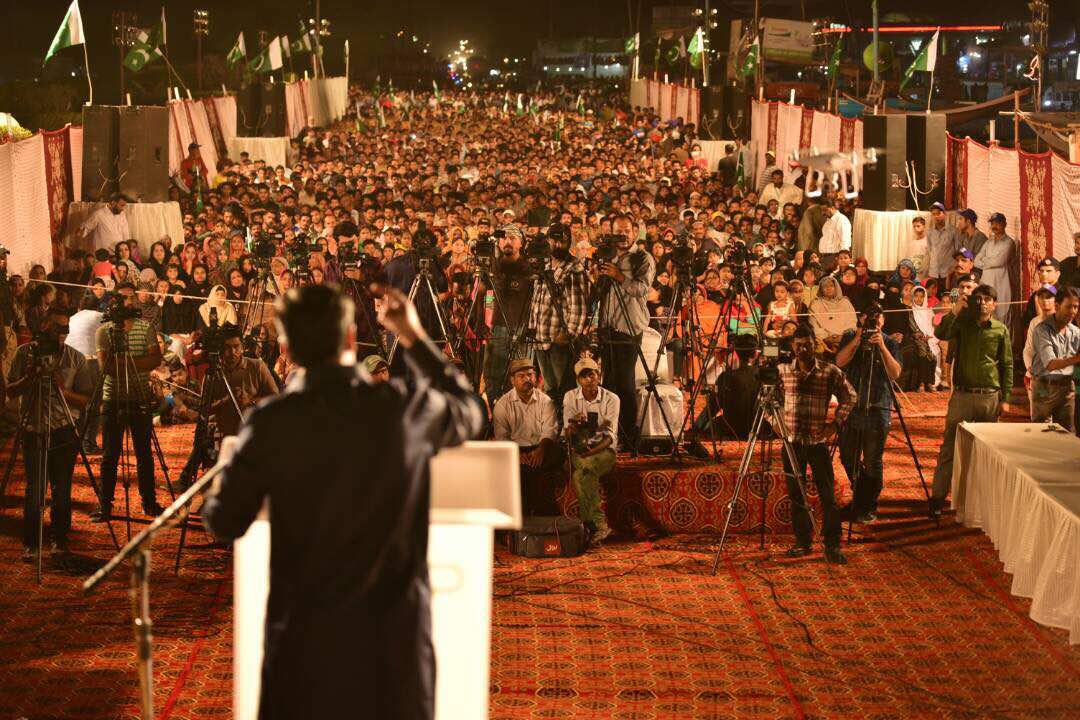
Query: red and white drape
[(783, 128), (668, 100)]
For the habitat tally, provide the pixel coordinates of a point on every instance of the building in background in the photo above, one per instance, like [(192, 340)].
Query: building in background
[(582, 58)]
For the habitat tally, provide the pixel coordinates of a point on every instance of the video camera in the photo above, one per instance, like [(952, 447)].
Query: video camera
[(118, 311), (538, 251), (739, 257), (775, 351), (424, 244), (608, 249)]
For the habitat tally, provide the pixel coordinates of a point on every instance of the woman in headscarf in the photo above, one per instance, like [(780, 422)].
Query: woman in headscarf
[(217, 300), (831, 314), (920, 352), (857, 294)]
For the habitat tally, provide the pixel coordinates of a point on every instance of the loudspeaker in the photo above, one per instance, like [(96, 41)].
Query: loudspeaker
[(260, 110), (99, 173), (889, 134), (725, 113), (926, 148), (143, 152)]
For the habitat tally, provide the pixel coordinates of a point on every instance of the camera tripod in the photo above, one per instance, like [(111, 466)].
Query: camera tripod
[(862, 406), (483, 279), (424, 280), (203, 451), (137, 402), (768, 408), (40, 485), (361, 298)]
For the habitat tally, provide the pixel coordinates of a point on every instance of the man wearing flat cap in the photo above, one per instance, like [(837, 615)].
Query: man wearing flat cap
[(592, 426), (996, 258), (526, 416)]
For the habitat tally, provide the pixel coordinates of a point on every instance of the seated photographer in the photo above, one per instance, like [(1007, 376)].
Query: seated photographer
[(249, 379), (41, 371), (592, 421), (527, 416), (735, 395), (871, 361)]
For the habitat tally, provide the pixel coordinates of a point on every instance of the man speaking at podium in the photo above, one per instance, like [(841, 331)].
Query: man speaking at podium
[(343, 462)]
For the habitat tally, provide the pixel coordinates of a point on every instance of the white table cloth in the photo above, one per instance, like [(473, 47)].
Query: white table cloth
[(273, 150), (1021, 485)]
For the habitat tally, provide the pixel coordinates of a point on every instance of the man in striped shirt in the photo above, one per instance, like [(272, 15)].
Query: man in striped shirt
[(808, 384), (125, 398)]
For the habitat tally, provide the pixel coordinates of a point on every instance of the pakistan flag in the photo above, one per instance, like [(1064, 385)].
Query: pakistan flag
[(145, 49)]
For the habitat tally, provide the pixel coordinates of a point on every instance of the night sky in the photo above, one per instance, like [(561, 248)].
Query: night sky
[(496, 28)]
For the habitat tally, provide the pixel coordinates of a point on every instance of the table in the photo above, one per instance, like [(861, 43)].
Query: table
[(1021, 485)]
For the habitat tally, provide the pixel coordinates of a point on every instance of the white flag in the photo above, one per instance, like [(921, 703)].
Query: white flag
[(285, 49), (275, 54), (931, 52)]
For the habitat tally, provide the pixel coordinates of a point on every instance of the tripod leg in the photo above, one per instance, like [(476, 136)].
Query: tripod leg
[(16, 443), (744, 467), (915, 459)]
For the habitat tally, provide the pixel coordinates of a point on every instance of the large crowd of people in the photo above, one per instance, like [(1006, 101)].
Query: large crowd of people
[(443, 198)]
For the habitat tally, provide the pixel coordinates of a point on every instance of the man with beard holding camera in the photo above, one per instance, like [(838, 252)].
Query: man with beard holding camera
[(555, 322), (126, 397), (629, 278), (510, 304), (982, 374), (808, 385), (869, 358), (42, 371), (348, 619), (249, 379)]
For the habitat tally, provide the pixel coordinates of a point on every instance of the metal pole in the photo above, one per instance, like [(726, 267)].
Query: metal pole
[(874, 7), (758, 71), (198, 59), (318, 36)]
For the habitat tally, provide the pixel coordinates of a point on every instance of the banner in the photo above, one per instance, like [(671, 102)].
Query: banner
[(57, 147), (1036, 214), (806, 128), (788, 41)]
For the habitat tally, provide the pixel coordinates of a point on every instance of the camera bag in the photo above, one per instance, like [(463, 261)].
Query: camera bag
[(549, 536)]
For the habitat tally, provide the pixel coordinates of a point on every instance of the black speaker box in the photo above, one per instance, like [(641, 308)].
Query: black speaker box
[(725, 113), (143, 152), (926, 148), (888, 133), (100, 138), (260, 110)]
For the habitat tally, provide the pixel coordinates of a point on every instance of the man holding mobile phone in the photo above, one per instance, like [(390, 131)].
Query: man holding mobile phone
[(592, 421)]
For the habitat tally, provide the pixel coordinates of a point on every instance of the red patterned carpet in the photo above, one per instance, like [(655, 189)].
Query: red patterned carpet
[(919, 624)]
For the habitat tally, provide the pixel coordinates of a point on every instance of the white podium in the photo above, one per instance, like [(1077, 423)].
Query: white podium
[(474, 490)]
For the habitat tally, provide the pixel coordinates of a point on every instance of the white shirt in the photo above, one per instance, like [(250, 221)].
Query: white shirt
[(786, 193), (606, 406), (82, 333), (835, 234), (527, 424), (104, 229)]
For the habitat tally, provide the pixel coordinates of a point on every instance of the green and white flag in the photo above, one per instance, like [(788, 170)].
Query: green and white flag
[(834, 60), (304, 43), (382, 118), (286, 49), (740, 170), (70, 31), (435, 85), (506, 104), (696, 49), (268, 60), (750, 63), (579, 107), (520, 105), (925, 61), (238, 52), (633, 44), (145, 49)]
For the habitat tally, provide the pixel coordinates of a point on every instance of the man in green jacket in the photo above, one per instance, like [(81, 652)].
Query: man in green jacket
[(982, 374)]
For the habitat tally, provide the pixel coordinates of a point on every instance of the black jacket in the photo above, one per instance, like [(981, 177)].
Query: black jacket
[(344, 464)]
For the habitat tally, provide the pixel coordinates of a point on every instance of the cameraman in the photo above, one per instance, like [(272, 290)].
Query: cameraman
[(592, 421), (808, 386), (349, 610), (869, 358), (554, 340), (359, 270), (249, 379), (126, 396), (510, 303), (403, 270), (41, 371), (982, 374), (632, 274)]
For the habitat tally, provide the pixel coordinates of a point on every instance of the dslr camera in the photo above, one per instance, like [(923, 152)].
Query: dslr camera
[(586, 435), (608, 249)]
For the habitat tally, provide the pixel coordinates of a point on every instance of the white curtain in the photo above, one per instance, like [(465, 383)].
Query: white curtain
[(147, 222), (1066, 198), (883, 238), (24, 205), (226, 112), (203, 135), (296, 113), (273, 150), (76, 161)]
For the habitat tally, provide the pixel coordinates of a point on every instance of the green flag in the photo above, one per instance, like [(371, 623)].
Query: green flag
[(69, 33), (580, 106), (302, 44), (632, 43), (740, 170), (925, 61), (506, 104), (696, 49), (268, 60), (834, 60), (750, 63), (238, 52), (520, 105), (435, 85), (144, 50)]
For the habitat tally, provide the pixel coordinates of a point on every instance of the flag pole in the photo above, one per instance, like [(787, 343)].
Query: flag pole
[(930, 93), (86, 59)]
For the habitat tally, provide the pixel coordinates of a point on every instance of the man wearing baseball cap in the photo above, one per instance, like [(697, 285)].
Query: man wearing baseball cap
[(970, 236), (942, 242), (963, 264), (997, 258), (192, 168), (592, 422), (377, 368), (526, 416)]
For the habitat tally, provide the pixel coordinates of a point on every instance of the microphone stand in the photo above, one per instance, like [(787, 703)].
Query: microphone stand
[(138, 550)]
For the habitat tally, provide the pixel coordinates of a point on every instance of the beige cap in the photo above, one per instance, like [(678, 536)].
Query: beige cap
[(584, 364)]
